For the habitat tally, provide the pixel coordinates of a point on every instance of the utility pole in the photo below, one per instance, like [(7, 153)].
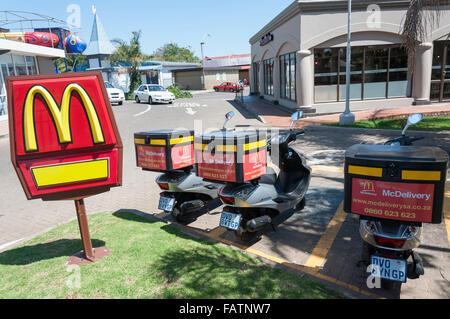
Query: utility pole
[(203, 66), (347, 118), (203, 60)]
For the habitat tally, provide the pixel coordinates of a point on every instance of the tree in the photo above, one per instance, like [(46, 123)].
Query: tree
[(72, 60), (130, 54), (422, 16), (171, 52)]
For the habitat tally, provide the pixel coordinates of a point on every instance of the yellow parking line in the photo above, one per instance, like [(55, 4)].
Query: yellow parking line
[(218, 232), (320, 252), (310, 271), (447, 210), (327, 169)]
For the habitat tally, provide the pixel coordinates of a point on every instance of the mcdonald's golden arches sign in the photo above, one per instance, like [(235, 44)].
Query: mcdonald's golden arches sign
[(63, 135)]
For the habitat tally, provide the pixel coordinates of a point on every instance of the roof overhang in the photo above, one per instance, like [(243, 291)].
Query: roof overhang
[(30, 49)]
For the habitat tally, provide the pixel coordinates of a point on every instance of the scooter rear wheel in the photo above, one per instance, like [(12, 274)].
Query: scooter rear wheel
[(178, 216)]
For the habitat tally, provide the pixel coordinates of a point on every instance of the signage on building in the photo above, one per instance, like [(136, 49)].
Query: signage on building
[(266, 39), (64, 139)]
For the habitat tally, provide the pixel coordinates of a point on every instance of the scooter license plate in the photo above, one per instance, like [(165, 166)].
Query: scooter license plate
[(166, 204), (230, 221), (387, 268)]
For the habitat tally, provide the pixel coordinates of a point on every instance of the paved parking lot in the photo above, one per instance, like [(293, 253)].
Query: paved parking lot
[(321, 241)]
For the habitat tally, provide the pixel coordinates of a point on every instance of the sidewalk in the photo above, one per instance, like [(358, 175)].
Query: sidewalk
[(4, 129), (273, 116)]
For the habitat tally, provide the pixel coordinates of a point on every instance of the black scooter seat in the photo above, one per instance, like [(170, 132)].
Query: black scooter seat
[(269, 178)]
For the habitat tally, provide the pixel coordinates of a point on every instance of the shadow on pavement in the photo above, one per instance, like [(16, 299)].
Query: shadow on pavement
[(35, 253)]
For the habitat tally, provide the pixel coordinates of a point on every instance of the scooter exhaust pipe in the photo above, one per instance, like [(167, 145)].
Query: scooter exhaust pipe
[(191, 206), (258, 223)]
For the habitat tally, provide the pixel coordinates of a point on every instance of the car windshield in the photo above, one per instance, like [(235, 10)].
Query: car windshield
[(157, 88), (109, 85)]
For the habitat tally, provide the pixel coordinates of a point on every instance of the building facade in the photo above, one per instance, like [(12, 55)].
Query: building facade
[(17, 58), (232, 68), (299, 58)]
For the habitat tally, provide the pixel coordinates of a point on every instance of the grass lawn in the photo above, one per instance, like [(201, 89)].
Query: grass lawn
[(148, 260), (435, 124)]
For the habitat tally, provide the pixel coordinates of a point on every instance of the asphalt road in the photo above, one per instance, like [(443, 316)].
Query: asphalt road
[(322, 241)]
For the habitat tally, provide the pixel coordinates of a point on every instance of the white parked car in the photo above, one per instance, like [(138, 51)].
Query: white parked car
[(115, 95), (153, 93)]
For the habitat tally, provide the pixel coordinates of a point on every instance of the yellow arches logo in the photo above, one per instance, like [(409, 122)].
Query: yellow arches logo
[(61, 117)]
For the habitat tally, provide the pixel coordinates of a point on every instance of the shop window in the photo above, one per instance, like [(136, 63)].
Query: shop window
[(356, 73), (31, 65), (287, 77), (326, 74), (398, 73), (20, 65), (256, 77), (268, 77), (375, 73)]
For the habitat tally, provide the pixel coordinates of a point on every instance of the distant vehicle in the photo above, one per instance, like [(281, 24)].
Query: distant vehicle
[(115, 95), (228, 87), (153, 93)]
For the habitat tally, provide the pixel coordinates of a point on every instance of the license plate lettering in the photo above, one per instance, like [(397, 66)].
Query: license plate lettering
[(386, 268), (230, 221), (166, 204)]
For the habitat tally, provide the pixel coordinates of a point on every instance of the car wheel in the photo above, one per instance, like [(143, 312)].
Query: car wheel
[(150, 101), (120, 103), (137, 100), (217, 90), (231, 90)]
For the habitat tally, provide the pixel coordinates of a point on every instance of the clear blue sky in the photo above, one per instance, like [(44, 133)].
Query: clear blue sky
[(231, 23)]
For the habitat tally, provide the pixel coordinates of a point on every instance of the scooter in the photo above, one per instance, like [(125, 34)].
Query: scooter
[(394, 240), (184, 193), (253, 205)]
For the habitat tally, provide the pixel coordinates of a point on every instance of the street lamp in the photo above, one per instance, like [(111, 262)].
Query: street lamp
[(347, 118), (203, 60)]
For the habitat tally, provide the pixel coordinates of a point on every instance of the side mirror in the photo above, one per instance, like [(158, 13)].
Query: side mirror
[(412, 120), (295, 117), (228, 117)]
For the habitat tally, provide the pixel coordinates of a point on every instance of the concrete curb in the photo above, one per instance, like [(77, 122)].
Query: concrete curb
[(244, 105), (365, 130)]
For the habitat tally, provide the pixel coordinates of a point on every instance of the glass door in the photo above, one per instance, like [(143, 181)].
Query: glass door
[(440, 77)]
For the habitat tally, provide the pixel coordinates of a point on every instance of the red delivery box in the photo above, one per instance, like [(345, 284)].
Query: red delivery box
[(403, 183), (230, 156), (164, 150), (64, 138)]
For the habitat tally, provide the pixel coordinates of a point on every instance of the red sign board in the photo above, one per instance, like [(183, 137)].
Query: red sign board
[(397, 201), (64, 139)]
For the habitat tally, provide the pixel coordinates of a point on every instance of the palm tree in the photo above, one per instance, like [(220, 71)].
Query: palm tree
[(422, 16), (73, 61), (130, 54)]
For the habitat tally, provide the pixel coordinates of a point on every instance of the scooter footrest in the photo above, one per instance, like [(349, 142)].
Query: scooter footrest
[(284, 198)]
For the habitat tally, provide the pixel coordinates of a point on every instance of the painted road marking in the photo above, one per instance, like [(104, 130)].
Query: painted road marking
[(447, 211), (320, 252), (332, 169), (149, 108), (310, 271)]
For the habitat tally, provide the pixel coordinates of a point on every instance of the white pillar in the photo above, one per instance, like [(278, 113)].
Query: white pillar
[(422, 73), (276, 78), (305, 79)]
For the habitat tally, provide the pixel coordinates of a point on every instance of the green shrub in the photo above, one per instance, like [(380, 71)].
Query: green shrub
[(179, 94)]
